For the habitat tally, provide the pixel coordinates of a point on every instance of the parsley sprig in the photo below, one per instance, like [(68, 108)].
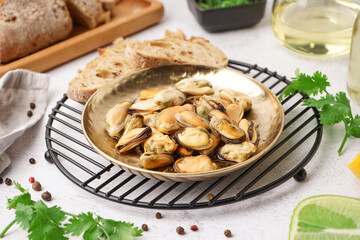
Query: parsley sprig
[(47, 223), (332, 108)]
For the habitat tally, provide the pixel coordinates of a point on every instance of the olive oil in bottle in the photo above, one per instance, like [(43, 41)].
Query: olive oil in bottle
[(353, 80), (317, 27)]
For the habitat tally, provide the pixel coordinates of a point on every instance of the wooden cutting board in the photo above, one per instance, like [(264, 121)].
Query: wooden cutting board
[(130, 16)]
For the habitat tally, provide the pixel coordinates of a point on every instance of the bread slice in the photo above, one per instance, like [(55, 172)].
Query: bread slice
[(174, 51), (111, 63), (88, 13)]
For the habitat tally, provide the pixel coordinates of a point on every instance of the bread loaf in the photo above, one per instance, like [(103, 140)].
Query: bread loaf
[(111, 63), (88, 13), (174, 51), (27, 26)]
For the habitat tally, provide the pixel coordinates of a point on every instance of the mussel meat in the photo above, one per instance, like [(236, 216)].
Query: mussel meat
[(194, 164), (194, 86), (227, 130), (194, 138), (136, 121), (160, 143), (144, 107), (147, 94), (237, 152), (191, 119), (116, 119), (155, 160), (169, 97), (165, 120), (133, 138)]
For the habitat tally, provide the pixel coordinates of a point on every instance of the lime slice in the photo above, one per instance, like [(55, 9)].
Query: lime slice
[(326, 217)]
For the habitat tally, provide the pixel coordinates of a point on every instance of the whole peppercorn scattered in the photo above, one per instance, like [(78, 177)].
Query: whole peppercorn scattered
[(46, 196), (32, 105), (36, 186), (158, 215), (8, 181), (32, 161), (180, 230), (31, 179), (227, 233), (209, 196), (145, 227), (1, 180), (29, 113), (194, 228)]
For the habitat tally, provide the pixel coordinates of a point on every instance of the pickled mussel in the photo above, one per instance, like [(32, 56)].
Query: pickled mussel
[(212, 150), (237, 152), (133, 138), (116, 119), (228, 96), (195, 86), (169, 97), (227, 130), (165, 120), (162, 125), (194, 138), (160, 143), (136, 121), (194, 164), (251, 131), (190, 119), (144, 107), (155, 160)]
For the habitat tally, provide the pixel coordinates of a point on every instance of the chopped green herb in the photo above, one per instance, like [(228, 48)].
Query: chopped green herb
[(44, 223), (332, 109), (208, 4)]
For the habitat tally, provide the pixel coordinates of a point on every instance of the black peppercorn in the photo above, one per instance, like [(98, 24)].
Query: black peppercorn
[(32, 105), (145, 227), (46, 196), (180, 230), (1, 180), (158, 215), (36, 186), (227, 233), (8, 181), (29, 113), (32, 160)]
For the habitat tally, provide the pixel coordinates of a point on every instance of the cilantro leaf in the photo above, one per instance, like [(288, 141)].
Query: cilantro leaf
[(310, 85), (119, 230), (19, 187), (46, 223), (24, 215), (24, 198), (354, 129), (83, 223)]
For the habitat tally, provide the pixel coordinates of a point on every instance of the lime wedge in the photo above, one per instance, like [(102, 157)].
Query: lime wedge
[(326, 217)]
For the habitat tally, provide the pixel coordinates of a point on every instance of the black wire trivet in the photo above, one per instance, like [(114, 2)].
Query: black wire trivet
[(71, 153)]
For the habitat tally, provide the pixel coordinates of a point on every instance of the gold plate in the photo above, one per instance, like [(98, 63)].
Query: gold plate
[(266, 111)]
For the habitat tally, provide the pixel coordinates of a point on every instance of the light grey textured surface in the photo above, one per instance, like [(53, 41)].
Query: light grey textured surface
[(264, 217)]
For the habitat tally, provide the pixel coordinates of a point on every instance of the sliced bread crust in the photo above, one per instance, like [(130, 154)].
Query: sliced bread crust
[(114, 61), (109, 65), (174, 51)]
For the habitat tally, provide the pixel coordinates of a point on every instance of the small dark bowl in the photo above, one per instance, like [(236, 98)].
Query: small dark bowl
[(222, 19)]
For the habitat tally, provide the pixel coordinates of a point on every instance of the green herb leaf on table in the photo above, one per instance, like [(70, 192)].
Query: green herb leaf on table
[(44, 223), (119, 230), (332, 109)]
